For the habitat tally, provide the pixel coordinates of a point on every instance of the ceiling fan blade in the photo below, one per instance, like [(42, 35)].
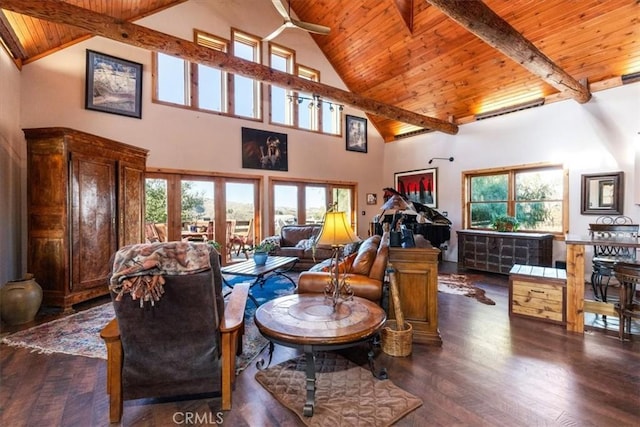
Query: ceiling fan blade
[(276, 33), (281, 8), (312, 28)]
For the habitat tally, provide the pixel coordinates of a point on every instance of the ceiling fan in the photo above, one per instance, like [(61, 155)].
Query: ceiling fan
[(290, 22)]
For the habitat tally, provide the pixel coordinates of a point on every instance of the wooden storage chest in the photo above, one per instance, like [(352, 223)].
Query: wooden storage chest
[(538, 292), (497, 252)]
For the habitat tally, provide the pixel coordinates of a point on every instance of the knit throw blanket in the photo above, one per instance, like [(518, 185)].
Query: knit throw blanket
[(138, 270)]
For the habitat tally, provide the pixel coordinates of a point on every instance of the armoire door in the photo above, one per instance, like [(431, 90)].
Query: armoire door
[(93, 220), (131, 204)]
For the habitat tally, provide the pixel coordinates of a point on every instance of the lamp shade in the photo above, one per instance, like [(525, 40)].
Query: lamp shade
[(336, 230)]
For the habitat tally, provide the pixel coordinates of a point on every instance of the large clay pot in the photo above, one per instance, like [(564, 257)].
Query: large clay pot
[(20, 300)]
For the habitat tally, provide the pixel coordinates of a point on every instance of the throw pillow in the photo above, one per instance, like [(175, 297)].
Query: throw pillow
[(351, 248), (344, 266)]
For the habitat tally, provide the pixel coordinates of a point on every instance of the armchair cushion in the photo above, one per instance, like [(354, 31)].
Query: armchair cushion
[(366, 276), (183, 345)]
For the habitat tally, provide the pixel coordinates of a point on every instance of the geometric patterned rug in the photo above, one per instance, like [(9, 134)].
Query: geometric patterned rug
[(346, 394)]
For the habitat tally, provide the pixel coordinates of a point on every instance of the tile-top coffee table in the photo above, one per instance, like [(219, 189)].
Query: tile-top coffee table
[(310, 323)]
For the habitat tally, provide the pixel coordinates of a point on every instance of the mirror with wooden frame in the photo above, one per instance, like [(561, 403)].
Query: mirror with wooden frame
[(602, 194)]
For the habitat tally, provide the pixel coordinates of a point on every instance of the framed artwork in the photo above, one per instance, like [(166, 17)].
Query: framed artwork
[(419, 186), (602, 194), (264, 150), (113, 85), (372, 199), (356, 134)]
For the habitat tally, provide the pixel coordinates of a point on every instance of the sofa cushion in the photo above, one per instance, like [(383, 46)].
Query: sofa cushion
[(290, 235), (366, 256), (290, 251)]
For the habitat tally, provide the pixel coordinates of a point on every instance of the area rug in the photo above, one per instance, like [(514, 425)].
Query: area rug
[(462, 284), (79, 334), (346, 394)]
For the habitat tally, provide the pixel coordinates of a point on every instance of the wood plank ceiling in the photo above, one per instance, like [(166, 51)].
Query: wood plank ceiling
[(417, 56)]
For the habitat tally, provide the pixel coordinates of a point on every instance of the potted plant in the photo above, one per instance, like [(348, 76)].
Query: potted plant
[(505, 223), (261, 251)]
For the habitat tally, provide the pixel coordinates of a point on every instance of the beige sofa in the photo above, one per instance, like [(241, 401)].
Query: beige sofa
[(365, 270)]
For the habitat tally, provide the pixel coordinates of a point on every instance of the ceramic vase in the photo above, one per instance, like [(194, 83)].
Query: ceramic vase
[(260, 258), (20, 300)]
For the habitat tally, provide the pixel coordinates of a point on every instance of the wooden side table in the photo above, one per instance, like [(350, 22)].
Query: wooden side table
[(310, 323), (417, 275)]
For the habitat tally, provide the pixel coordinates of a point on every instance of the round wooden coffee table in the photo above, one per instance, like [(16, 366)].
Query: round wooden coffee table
[(309, 322)]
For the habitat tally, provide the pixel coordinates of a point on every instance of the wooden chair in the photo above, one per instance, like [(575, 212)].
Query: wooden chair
[(629, 276), (244, 237), (185, 344), (605, 256)]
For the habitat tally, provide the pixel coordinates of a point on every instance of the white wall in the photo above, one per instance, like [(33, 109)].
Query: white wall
[(53, 95), (13, 220), (600, 136)]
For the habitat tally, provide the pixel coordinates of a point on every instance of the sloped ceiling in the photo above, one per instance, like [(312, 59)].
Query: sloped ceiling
[(448, 60)]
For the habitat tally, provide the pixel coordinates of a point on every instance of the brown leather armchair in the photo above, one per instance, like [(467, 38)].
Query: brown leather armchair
[(365, 275), (185, 344)]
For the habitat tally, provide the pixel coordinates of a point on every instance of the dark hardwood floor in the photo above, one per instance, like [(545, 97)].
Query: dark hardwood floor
[(490, 371)]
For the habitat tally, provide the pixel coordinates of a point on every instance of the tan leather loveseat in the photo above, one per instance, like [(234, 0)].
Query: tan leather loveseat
[(365, 273)]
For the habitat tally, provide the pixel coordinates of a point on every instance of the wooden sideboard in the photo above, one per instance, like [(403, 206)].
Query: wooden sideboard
[(497, 252), (416, 272), (85, 199)]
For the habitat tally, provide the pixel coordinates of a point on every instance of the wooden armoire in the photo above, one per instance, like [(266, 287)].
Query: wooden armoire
[(85, 199)]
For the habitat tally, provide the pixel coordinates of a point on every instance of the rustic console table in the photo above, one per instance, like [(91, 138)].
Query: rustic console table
[(497, 252), (576, 304)]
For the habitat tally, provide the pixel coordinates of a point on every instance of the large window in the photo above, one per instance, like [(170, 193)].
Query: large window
[(203, 207), (200, 87), (295, 202), (302, 110), (535, 195), (246, 92)]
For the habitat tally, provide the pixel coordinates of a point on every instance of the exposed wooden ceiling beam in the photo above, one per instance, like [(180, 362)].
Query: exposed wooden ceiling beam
[(484, 23), (136, 35), (11, 40)]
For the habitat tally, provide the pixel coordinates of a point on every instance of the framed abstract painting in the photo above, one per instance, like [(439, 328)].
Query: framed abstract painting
[(419, 186)]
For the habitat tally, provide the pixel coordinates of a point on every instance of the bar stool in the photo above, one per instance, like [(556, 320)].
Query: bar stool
[(628, 274)]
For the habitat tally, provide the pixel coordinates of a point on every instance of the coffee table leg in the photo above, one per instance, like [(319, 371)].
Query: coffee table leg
[(260, 363), (382, 375), (310, 358)]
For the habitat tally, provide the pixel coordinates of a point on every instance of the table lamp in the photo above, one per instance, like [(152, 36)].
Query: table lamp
[(336, 232)]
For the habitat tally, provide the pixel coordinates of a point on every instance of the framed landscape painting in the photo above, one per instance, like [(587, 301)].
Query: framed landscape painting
[(419, 186), (113, 85), (356, 134)]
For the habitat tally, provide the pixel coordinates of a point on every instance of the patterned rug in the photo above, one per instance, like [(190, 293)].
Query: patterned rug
[(79, 334), (462, 284), (346, 394)]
